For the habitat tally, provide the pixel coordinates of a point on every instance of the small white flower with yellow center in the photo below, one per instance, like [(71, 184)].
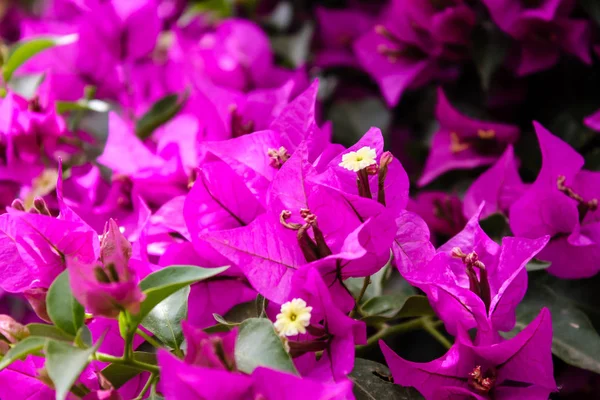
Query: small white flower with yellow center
[(293, 318), (357, 160)]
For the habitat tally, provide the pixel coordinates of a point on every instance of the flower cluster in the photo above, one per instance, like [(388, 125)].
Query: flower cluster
[(180, 221)]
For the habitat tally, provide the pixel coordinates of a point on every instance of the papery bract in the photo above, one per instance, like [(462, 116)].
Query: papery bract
[(483, 297), (111, 286), (525, 359), (463, 142), (440, 210), (551, 206), (344, 332), (499, 187)]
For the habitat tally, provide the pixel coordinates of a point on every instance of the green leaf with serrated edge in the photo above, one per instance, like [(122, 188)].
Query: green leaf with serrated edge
[(119, 374), (161, 112), (164, 321), (63, 309), (372, 381), (161, 284), (48, 331), (257, 345), (574, 340), (389, 307), (25, 347), (23, 51), (65, 363)]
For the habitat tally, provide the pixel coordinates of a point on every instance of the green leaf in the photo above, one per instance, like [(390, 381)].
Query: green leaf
[(119, 374), (25, 347), (239, 313), (574, 340), (217, 9), (223, 321), (219, 328), (84, 337), (164, 321), (372, 381), (48, 331), (537, 265), (592, 159), (495, 226), (294, 48), (26, 85), (257, 344), (592, 7), (161, 284), (490, 47), (63, 309), (351, 119), (389, 307), (23, 51), (376, 286), (65, 363), (160, 112), (82, 105)]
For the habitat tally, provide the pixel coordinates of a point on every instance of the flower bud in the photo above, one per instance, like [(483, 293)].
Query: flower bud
[(40, 205), (115, 249), (18, 204), (12, 330), (4, 347), (384, 162), (37, 299), (111, 286)]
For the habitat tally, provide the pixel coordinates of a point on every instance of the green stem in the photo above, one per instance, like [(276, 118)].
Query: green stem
[(132, 362), (128, 352), (146, 387), (388, 330), (430, 327), (178, 351), (148, 338), (358, 299)]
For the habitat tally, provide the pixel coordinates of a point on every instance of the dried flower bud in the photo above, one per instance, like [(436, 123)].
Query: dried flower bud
[(4, 347), (12, 330), (37, 299)]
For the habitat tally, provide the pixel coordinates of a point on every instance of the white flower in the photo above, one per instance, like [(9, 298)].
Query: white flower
[(293, 318), (357, 160)]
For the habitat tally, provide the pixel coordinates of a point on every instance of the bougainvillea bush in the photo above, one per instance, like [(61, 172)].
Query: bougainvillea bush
[(282, 200)]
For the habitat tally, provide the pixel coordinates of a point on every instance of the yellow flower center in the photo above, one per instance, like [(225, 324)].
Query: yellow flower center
[(360, 159), (293, 318)]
